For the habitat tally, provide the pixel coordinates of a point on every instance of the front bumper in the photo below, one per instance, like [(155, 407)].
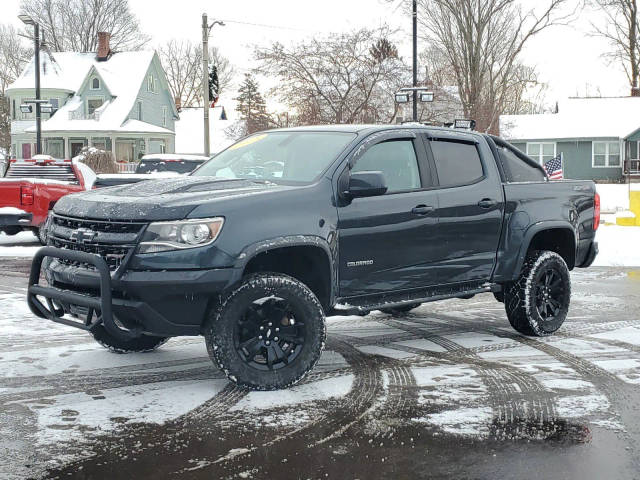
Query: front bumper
[(162, 303), (15, 219)]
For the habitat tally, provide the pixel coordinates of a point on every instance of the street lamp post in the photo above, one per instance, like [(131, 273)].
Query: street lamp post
[(206, 31), (27, 20), (415, 59)]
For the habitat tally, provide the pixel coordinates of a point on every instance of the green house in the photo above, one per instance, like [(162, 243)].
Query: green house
[(597, 138), (115, 101)]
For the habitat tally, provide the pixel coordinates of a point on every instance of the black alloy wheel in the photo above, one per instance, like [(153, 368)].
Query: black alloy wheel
[(537, 303), (268, 335), (550, 294)]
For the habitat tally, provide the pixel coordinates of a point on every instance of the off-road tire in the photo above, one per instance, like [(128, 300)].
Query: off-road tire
[(220, 331), (520, 301), (398, 311), (141, 344)]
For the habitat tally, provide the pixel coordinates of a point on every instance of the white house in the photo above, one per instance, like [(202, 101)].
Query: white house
[(117, 101)]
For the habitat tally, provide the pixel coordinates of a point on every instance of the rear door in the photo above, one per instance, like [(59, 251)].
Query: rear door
[(385, 242), (470, 207)]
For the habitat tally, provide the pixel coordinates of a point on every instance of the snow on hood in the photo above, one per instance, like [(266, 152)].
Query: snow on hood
[(162, 199)]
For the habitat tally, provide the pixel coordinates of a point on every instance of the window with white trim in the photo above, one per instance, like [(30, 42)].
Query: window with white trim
[(605, 154), (95, 83), (139, 109), (93, 104), (151, 84), (164, 116), (541, 152)]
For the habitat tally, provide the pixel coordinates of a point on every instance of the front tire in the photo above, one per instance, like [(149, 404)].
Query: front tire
[(538, 302), (267, 333), (141, 344)]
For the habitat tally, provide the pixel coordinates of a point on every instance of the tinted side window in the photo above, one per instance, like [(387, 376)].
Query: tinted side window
[(456, 163), (516, 169), (397, 160)]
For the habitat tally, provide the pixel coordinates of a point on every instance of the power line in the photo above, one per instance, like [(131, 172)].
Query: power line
[(264, 25)]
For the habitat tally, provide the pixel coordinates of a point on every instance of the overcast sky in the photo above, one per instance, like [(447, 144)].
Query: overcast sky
[(568, 59)]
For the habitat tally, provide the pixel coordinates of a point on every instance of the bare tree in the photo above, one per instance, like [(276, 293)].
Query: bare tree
[(621, 27), (482, 42), (182, 61), (343, 78), (13, 58), (73, 25)]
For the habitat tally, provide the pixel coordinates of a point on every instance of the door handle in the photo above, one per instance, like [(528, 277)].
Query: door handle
[(422, 209), (487, 203)]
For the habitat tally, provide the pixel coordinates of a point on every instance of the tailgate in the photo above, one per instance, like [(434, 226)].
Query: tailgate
[(10, 193)]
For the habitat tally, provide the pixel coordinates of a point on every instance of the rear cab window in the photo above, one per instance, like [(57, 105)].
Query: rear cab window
[(516, 169), (457, 163)]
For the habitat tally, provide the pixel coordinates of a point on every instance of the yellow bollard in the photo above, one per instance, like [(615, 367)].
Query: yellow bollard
[(633, 219)]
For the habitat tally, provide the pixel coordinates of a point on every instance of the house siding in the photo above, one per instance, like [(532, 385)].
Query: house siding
[(577, 159), (152, 103), (86, 92)]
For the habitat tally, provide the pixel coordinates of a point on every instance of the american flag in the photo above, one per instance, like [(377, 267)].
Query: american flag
[(554, 168)]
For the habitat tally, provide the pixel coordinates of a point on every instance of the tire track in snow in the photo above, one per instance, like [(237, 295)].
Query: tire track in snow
[(516, 397), (619, 393), (351, 409)]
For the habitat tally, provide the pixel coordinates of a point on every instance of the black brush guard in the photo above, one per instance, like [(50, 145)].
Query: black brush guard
[(100, 310)]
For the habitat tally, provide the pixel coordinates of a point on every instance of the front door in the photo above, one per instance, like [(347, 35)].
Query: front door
[(470, 209), (76, 148), (385, 242), (26, 150)]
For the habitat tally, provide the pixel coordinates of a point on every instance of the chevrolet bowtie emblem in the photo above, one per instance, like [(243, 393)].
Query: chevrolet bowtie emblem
[(83, 235)]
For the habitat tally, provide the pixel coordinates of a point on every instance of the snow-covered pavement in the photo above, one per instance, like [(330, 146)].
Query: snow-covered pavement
[(451, 378)]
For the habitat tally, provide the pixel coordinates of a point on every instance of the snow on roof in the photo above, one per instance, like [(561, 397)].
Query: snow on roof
[(172, 156), (123, 74), (190, 131), (604, 117)]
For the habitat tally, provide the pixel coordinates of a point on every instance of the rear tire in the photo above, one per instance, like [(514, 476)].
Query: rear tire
[(267, 333), (141, 344), (396, 311), (538, 302)]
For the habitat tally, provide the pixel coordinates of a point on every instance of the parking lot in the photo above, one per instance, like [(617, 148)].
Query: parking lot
[(449, 390)]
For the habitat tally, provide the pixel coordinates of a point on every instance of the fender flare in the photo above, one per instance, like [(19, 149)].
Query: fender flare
[(532, 231), (251, 251)]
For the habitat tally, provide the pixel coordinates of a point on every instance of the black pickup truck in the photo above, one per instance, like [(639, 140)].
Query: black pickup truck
[(285, 227)]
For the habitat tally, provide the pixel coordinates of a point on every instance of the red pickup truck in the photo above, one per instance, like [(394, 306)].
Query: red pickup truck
[(31, 188)]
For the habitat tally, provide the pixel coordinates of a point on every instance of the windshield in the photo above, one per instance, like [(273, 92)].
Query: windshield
[(298, 157)]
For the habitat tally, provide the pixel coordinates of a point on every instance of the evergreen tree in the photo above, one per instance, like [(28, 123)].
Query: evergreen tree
[(214, 83), (251, 105)]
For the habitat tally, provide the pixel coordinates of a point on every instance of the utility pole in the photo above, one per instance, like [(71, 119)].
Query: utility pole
[(36, 35), (27, 20), (415, 60), (206, 30)]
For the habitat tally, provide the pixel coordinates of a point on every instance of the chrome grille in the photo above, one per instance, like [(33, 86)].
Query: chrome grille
[(111, 240)]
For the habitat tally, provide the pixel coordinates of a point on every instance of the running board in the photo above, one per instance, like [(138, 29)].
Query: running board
[(358, 305)]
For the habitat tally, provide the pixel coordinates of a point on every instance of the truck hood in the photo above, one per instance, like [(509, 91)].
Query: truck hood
[(162, 199)]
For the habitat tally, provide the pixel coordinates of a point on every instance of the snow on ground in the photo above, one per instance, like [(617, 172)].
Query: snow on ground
[(24, 244), (614, 197), (619, 246)]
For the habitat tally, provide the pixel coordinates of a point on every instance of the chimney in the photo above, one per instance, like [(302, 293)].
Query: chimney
[(635, 91), (178, 101), (104, 51)]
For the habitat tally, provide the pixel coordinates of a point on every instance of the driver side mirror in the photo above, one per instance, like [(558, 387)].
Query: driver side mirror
[(367, 184)]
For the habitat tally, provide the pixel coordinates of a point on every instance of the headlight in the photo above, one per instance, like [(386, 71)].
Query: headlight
[(166, 236)]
